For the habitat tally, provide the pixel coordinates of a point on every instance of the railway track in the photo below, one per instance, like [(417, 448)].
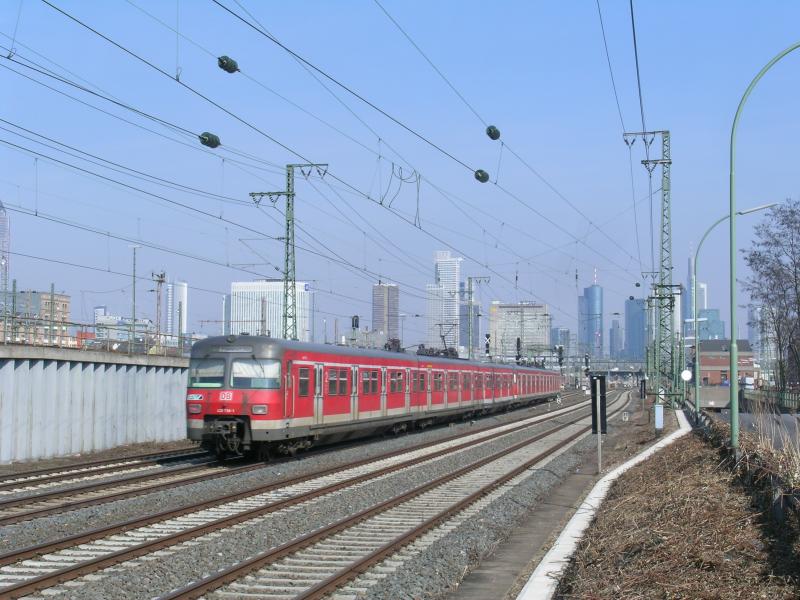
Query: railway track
[(47, 565), (42, 477), (42, 504), (319, 563)]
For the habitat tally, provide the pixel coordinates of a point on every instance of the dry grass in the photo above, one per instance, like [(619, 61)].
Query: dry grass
[(680, 525)]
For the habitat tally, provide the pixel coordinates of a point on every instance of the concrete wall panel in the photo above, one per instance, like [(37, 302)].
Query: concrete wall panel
[(57, 401)]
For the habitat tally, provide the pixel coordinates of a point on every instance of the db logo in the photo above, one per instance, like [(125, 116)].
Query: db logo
[(226, 396)]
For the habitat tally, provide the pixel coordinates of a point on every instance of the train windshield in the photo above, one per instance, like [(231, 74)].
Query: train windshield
[(253, 373), (206, 372)]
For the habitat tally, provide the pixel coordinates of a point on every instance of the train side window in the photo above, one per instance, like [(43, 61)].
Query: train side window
[(465, 381), (400, 381), (394, 383), (422, 387), (303, 381), (342, 382), (437, 382), (333, 378), (478, 381), (373, 382), (453, 377), (365, 382)]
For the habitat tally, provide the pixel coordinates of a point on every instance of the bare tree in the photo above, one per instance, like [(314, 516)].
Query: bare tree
[(774, 284)]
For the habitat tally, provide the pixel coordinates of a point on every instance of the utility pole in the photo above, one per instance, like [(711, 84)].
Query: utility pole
[(133, 308), (289, 280), (471, 333), (159, 278), (664, 357)]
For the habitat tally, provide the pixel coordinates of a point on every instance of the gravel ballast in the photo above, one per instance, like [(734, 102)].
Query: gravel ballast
[(51, 528), (186, 562)]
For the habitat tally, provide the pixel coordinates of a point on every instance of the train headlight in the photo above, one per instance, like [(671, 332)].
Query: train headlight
[(195, 409), (259, 409)]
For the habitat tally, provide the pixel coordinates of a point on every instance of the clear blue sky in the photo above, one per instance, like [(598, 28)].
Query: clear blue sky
[(536, 70)]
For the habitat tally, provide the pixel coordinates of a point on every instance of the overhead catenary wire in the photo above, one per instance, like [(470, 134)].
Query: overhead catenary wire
[(258, 130), (504, 145), (433, 236), (622, 126), (644, 130)]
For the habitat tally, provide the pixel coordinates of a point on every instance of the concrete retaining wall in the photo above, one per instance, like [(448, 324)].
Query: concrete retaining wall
[(57, 401)]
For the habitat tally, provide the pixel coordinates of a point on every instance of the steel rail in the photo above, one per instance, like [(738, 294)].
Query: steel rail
[(44, 511), (48, 547), (101, 562), (231, 574), (120, 468), (98, 463)]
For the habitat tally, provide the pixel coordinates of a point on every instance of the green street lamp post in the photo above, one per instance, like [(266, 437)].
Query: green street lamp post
[(734, 366), (694, 302)]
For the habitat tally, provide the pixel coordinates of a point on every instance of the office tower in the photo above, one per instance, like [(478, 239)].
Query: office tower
[(710, 326), (528, 321), (590, 321), (702, 296), (443, 301), (386, 310), (615, 340), (635, 329), (257, 308), (464, 312), (226, 314)]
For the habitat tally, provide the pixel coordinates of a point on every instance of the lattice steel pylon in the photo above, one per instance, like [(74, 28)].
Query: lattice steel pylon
[(665, 359), (289, 319)]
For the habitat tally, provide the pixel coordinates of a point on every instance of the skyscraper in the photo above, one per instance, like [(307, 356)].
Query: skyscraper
[(528, 321), (5, 247), (257, 308), (702, 296), (464, 312), (615, 340), (709, 325), (177, 302), (590, 321), (635, 326), (386, 309), (443, 301)]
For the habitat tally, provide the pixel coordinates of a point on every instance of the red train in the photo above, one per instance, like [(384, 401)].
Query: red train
[(250, 394)]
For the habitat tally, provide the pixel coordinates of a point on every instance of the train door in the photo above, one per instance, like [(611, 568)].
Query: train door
[(428, 388), (354, 389), (318, 382), (384, 386), (407, 384)]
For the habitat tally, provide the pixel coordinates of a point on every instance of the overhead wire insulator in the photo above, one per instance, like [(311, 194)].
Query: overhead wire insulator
[(481, 176), (493, 132), (227, 64), (209, 139)]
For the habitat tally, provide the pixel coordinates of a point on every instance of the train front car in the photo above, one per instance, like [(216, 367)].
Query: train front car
[(234, 392)]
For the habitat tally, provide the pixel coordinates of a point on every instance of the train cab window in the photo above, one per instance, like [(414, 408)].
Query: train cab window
[(256, 374), (438, 384), (206, 372), (303, 381), (453, 377)]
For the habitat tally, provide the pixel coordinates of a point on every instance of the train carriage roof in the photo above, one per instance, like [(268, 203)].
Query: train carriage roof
[(262, 345)]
